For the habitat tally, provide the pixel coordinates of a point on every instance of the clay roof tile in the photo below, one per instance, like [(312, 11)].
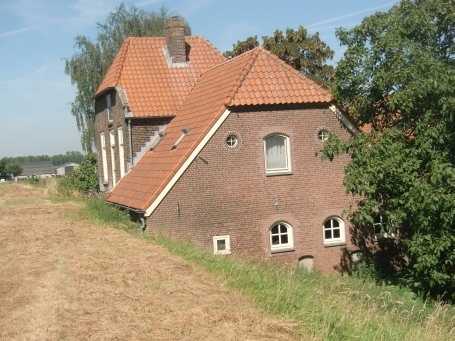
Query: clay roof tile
[(253, 78)]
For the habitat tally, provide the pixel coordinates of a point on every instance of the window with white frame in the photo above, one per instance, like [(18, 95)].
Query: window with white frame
[(231, 141), (221, 245), (113, 167), (333, 230), (382, 228), (281, 236), (277, 157), (104, 157), (121, 151), (323, 135), (109, 108)]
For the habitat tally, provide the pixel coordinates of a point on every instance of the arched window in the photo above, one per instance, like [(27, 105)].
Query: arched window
[(281, 236), (276, 149), (333, 230)]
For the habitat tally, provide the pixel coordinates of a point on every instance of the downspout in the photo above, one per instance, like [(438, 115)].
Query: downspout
[(143, 225), (130, 141)]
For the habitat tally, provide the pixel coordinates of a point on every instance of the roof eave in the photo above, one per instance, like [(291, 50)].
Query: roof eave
[(99, 93)]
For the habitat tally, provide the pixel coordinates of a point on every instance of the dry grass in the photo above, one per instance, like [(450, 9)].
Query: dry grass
[(68, 280)]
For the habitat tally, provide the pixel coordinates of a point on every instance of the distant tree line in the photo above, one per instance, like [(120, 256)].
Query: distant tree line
[(57, 160)]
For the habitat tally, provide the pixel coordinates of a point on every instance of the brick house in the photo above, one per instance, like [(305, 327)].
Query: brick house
[(231, 164)]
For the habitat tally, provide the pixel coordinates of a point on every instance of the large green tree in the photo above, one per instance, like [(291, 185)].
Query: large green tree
[(3, 171), (90, 63), (397, 77), (14, 169), (304, 52)]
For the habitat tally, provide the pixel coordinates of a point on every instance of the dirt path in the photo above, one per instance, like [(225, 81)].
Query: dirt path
[(62, 279)]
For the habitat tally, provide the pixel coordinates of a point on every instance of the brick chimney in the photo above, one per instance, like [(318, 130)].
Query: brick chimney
[(175, 40)]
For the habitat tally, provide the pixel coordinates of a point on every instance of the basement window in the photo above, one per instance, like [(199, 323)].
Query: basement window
[(185, 131), (221, 245)]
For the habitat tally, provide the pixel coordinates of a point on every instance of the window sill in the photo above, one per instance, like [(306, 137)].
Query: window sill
[(335, 244), (278, 173), (223, 253), (285, 249)]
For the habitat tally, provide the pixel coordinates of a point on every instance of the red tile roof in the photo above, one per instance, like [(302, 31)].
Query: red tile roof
[(254, 78), (152, 88)]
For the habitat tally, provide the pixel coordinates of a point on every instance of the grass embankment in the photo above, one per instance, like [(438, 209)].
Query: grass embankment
[(324, 308)]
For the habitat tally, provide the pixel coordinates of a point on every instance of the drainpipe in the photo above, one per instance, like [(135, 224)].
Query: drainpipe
[(142, 228), (131, 143)]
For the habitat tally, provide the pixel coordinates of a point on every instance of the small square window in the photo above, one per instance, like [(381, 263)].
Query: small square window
[(221, 245), (382, 228)]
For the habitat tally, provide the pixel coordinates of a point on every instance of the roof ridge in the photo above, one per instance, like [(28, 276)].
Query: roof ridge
[(288, 67), (254, 53), (209, 43), (122, 56)]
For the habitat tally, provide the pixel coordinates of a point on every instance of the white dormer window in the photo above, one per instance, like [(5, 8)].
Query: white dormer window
[(158, 139), (185, 131)]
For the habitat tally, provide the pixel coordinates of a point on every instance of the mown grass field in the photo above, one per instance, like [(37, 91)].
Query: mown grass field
[(322, 307), (80, 265)]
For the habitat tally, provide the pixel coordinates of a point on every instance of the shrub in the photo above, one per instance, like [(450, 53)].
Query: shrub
[(83, 179)]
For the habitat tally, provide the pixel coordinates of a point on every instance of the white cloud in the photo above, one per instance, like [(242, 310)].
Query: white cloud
[(28, 10), (36, 72), (349, 15), (89, 11), (18, 31), (148, 2), (192, 6)]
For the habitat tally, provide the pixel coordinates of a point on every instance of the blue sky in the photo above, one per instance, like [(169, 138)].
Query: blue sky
[(36, 36)]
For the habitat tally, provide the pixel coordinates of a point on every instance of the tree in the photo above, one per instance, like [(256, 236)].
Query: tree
[(397, 76), (84, 178), (70, 156), (88, 66), (304, 52), (14, 169), (3, 171)]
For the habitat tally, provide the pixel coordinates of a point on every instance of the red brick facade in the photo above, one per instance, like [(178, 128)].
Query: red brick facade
[(141, 130), (225, 191)]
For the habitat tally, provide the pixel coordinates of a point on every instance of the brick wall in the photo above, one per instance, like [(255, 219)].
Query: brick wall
[(225, 191), (102, 124), (141, 130)]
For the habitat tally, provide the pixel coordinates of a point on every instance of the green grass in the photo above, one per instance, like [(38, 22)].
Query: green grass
[(323, 307), (97, 211)]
